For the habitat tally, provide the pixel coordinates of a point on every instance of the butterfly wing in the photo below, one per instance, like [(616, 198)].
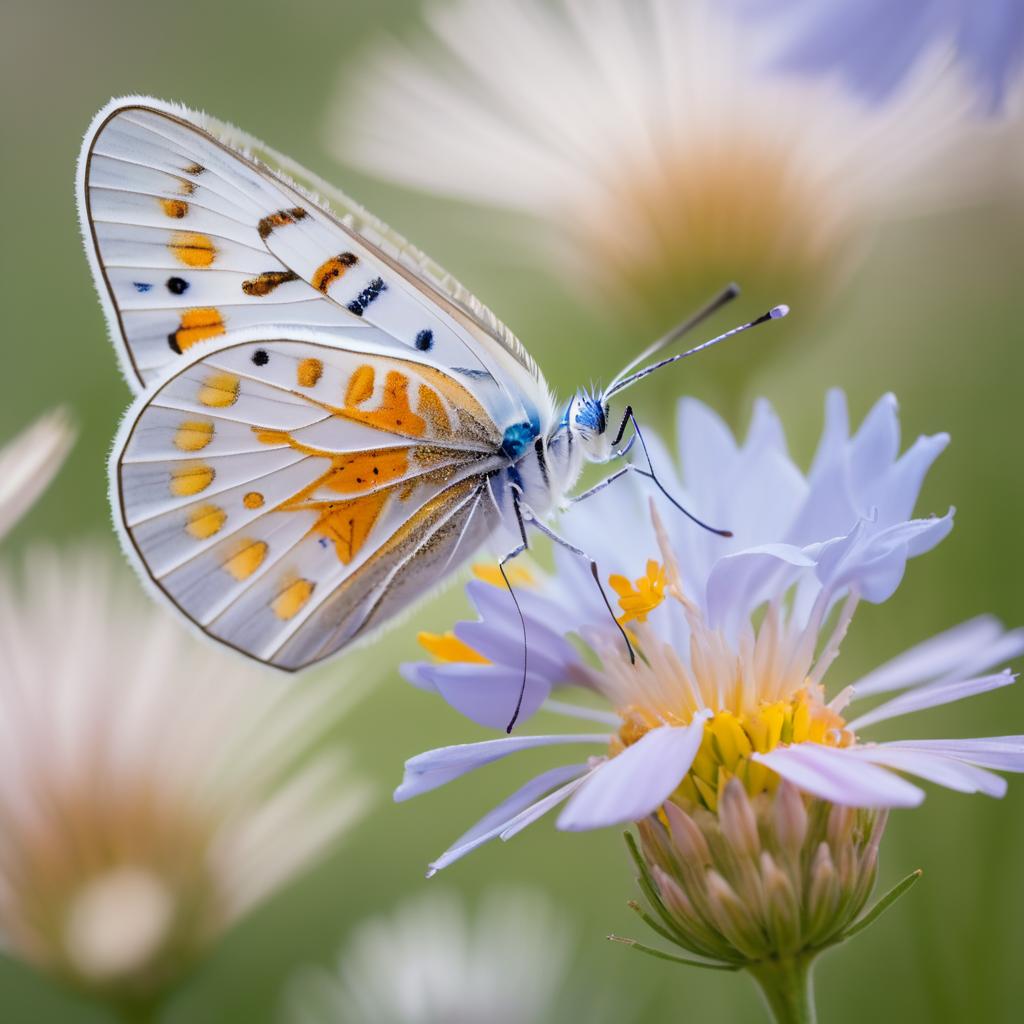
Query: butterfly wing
[(288, 494), (193, 235)]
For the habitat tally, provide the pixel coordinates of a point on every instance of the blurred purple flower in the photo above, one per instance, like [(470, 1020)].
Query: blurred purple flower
[(875, 44)]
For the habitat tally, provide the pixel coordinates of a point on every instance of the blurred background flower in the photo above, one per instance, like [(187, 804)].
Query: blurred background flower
[(652, 154), (875, 45), (152, 789), (434, 961)]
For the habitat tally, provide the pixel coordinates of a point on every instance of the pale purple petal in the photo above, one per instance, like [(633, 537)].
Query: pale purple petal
[(932, 696), (876, 444), (556, 783), (1002, 753), (485, 694), (435, 768), (829, 773), (937, 768), (935, 657), (636, 782)]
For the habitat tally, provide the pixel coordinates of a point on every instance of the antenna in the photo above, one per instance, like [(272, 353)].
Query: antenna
[(725, 296), (775, 313)]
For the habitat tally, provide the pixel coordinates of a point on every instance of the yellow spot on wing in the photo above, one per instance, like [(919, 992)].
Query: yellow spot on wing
[(363, 471), (193, 435), (193, 249), (176, 208), (360, 386), (188, 480), (197, 325), (292, 599), (219, 390), (266, 282), (308, 372), (448, 647), (253, 500), (247, 559), (205, 521)]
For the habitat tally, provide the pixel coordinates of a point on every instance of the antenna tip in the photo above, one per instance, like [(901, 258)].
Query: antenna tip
[(778, 312)]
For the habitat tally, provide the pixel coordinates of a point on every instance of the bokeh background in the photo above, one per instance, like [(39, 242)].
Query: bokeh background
[(933, 314)]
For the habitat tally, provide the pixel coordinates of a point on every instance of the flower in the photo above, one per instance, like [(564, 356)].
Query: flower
[(729, 683), (655, 160), (29, 462), (431, 962), (875, 45), (150, 794)]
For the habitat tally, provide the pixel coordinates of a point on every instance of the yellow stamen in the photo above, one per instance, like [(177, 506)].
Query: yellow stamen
[(637, 600), (490, 573), (448, 647)]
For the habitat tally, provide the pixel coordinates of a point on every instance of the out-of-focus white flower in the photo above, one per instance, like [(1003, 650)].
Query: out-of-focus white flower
[(645, 142), (434, 963), (875, 45), (28, 462), (152, 789)]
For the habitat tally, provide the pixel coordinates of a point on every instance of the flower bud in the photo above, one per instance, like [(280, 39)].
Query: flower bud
[(776, 875)]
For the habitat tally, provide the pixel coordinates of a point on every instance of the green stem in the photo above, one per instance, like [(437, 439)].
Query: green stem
[(788, 988)]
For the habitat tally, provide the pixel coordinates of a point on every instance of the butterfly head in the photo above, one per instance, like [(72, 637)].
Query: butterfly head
[(587, 418)]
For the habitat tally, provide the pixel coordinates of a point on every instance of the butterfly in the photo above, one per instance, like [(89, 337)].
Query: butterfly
[(326, 424)]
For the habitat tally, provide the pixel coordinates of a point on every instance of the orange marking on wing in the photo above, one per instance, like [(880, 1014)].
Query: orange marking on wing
[(219, 390), (196, 325), (193, 249), (189, 480), (363, 471), (205, 521), (292, 599), (193, 435), (279, 219), (332, 270), (349, 523), (360, 386), (308, 372), (394, 413), (265, 283), (432, 409), (253, 499), (176, 208), (247, 558)]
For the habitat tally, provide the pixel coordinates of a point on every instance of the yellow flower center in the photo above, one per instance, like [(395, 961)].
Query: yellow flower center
[(637, 600), (448, 647), (730, 739)]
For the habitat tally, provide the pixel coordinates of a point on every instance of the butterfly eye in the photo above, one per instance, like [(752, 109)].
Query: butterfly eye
[(261, 357)]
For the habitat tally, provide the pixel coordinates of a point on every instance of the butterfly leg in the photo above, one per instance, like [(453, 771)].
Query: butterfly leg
[(514, 553), (648, 473), (580, 553)]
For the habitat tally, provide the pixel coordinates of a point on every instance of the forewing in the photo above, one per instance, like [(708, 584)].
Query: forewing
[(287, 494), (192, 238)]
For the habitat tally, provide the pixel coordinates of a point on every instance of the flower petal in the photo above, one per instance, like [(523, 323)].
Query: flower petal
[(435, 768), (937, 768), (830, 773), (932, 696), (934, 657), (636, 782), (1002, 753), (532, 800), (485, 694)]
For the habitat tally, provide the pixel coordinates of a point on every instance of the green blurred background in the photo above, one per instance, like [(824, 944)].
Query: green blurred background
[(933, 315)]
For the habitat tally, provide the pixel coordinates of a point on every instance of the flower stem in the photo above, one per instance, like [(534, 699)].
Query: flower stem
[(788, 988)]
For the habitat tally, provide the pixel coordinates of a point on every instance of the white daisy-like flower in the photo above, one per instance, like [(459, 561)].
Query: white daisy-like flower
[(151, 788), (29, 461), (645, 143), (434, 962)]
